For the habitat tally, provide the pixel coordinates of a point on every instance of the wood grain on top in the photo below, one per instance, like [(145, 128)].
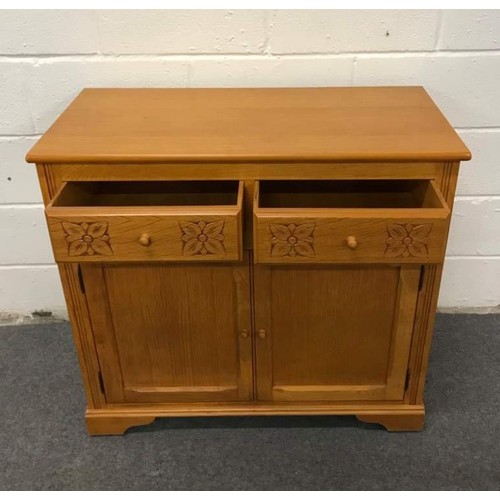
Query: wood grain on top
[(267, 124)]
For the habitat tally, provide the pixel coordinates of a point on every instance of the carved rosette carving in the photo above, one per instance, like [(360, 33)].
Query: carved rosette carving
[(292, 240), (202, 238), (407, 240), (87, 238)]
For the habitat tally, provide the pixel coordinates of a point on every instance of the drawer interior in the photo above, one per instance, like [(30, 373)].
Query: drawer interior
[(349, 194), (148, 193)]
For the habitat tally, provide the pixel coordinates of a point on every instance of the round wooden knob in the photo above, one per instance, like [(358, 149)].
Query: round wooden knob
[(262, 334), (351, 242), (145, 240), (244, 334)]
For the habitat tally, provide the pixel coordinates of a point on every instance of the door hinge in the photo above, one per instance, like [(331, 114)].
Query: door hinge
[(101, 382), (407, 380), (80, 279), (421, 281)]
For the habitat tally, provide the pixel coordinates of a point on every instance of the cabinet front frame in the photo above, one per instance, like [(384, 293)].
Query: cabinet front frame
[(445, 173)]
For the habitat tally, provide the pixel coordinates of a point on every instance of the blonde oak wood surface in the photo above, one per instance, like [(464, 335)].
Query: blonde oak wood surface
[(169, 332), (59, 173), (322, 238), (232, 125), (337, 224), (194, 338), (313, 331), (100, 227), (425, 316), (116, 420)]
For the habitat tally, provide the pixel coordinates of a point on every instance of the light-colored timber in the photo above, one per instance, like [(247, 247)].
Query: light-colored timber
[(116, 421), (233, 125)]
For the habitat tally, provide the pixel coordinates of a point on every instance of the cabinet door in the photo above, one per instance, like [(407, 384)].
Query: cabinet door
[(172, 332), (327, 333)]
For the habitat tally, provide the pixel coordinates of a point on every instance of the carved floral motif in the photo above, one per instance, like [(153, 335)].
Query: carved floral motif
[(201, 238), (407, 240), (292, 240), (87, 238)]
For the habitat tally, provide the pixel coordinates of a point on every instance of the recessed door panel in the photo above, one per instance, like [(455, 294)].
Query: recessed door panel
[(330, 333), (172, 332)]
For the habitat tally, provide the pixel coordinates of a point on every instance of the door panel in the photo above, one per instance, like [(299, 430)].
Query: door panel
[(330, 333), (172, 332)]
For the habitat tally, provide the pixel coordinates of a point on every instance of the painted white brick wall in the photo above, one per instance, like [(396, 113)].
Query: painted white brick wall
[(319, 31), (46, 57), (182, 32)]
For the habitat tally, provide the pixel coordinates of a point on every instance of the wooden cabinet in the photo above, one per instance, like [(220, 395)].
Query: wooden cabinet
[(250, 251)]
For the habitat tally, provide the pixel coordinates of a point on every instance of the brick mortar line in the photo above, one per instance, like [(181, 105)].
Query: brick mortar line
[(478, 129), (476, 196), (389, 53), (20, 136), (35, 204), (266, 46), (26, 266), (242, 55), (458, 129), (472, 257), (18, 266), (439, 29)]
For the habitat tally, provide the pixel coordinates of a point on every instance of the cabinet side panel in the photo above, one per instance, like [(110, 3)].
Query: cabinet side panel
[(45, 181), (77, 306), (427, 300), (82, 334)]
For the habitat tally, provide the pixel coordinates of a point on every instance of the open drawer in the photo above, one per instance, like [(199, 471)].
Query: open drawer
[(390, 221), (157, 220)]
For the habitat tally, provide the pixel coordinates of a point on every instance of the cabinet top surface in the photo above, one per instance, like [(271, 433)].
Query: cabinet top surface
[(266, 124)]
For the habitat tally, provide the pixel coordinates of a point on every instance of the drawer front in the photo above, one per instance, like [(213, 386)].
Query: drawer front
[(302, 228), (329, 239), (145, 233), (137, 238)]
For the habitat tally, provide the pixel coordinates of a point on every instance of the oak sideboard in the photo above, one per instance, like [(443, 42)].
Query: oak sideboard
[(250, 251)]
